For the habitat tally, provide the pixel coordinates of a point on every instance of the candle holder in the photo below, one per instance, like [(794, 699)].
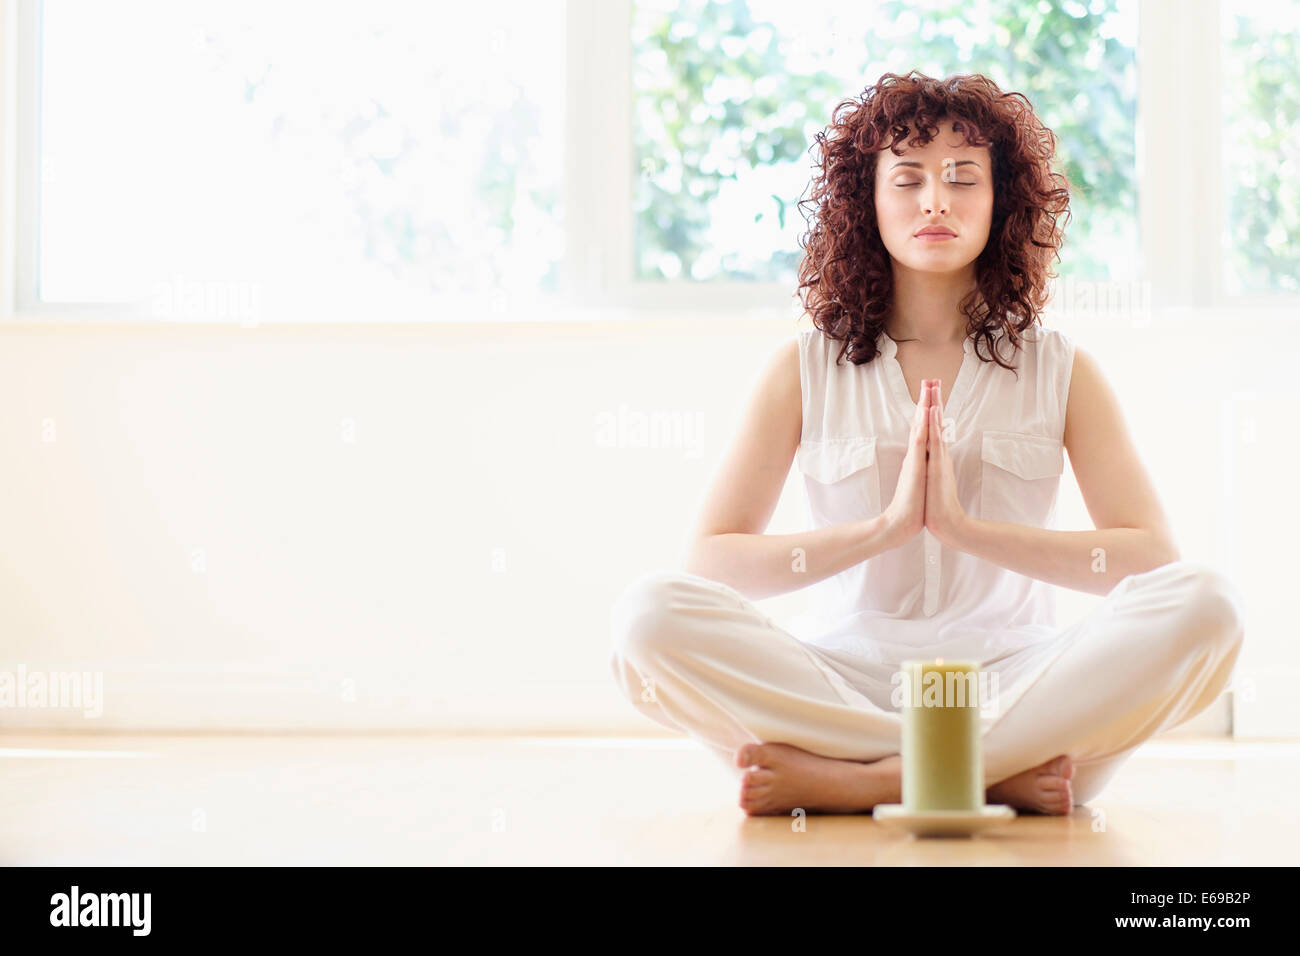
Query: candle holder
[(942, 823), (943, 768)]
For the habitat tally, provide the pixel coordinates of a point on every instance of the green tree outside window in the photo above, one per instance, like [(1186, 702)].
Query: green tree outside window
[(727, 98)]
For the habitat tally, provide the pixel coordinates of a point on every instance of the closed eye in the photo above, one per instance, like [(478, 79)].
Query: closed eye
[(905, 185)]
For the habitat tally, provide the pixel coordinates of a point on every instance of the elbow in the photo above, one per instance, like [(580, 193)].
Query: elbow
[(1164, 550), (695, 562)]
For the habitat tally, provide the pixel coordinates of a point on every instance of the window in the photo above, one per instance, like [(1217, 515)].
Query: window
[(510, 159), (1261, 147), (210, 158), (728, 98)]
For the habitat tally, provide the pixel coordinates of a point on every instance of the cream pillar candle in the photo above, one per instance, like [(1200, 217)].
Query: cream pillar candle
[(943, 767)]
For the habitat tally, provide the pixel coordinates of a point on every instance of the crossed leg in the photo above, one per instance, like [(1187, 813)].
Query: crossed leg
[(697, 657)]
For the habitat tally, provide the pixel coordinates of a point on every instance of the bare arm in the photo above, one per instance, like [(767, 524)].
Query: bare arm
[(728, 543), (1133, 532)]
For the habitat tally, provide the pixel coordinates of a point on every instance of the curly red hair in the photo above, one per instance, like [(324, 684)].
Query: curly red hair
[(846, 267)]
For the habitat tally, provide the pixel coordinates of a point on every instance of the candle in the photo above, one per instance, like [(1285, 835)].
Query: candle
[(942, 765)]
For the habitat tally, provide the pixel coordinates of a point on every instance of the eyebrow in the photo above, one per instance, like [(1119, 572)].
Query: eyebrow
[(960, 162)]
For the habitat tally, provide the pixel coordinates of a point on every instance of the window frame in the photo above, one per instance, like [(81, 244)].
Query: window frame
[(1178, 69)]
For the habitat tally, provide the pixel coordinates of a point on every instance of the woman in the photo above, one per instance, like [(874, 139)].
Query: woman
[(928, 410)]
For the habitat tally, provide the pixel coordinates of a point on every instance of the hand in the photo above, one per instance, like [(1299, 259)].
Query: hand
[(905, 515), (943, 511)]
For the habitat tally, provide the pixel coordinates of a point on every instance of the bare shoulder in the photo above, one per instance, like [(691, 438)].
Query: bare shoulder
[(1116, 487), (1090, 397), (783, 365), (747, 486), (779, 390)]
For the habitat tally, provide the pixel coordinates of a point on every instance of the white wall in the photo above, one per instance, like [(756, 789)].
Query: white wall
[(200, 530)]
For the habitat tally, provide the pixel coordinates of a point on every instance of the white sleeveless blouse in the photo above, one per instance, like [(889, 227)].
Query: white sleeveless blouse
[(922, 599)]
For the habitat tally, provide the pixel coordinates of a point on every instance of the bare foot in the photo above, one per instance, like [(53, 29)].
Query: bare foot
[(1041, 789), (783, 777)]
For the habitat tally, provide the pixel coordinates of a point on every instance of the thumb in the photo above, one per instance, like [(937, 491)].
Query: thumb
[(934, 443)]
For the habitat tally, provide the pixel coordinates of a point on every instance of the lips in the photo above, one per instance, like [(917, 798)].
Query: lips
[(935, 231)]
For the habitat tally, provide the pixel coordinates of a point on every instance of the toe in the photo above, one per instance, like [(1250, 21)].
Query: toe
[(1058, 799), (1057, 765), (1056, 795), (755, 778), (747, 756), (754, 800)]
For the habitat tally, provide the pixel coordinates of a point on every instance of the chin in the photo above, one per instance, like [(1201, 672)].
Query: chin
[(937, 264)]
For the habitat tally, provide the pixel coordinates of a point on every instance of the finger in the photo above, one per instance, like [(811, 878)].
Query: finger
[(920, 417), (923, 406), (933, 451), (938, 404)]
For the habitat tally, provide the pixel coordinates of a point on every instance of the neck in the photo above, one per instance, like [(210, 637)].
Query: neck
[(926, 306)]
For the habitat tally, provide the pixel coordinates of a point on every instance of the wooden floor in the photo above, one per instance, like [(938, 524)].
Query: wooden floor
[(415, 799)]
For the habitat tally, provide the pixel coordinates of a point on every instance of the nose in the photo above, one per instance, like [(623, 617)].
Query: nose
[(934, 198)]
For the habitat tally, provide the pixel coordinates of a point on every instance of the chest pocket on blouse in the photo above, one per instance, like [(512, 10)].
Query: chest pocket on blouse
[(1019, 477), (844, 478)]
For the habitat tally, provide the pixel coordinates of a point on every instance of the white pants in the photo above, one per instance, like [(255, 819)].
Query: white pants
[(698, 657)]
